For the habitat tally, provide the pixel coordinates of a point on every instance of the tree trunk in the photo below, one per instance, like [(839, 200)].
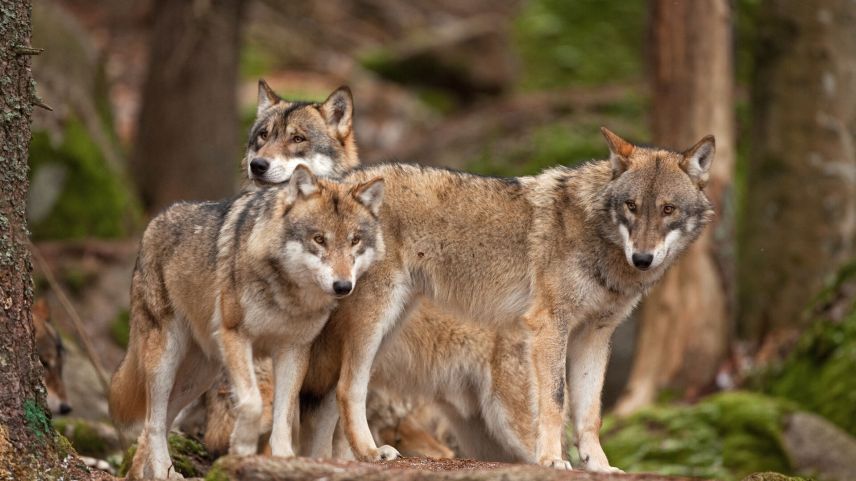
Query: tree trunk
[(29, 447), (188, 140), (684, 322), (801, 182)]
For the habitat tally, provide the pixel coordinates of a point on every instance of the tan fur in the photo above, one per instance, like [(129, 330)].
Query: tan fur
[(50, 351), (543, 253), (217, 284)]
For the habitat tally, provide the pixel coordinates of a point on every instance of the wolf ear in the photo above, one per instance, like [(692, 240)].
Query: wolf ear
[(370, 194), (302, 183), (338, 111), (619, 152), (697, 160), (267, 97)]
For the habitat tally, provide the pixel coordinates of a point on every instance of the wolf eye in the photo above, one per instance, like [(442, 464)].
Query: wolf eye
[(298, 139), (668, 209), (263, 134), (319, 239), (631, 206), (355, 240)]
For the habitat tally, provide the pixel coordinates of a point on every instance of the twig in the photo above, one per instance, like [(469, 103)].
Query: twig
[(41, 103), (76, 321), (25, 50)]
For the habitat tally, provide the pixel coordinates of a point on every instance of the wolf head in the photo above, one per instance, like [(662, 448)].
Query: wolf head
[(655, 200), (291, 133), (51, 353), (331, 231)]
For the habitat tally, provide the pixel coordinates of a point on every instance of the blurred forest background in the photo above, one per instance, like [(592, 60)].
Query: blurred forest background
[(745, 351)]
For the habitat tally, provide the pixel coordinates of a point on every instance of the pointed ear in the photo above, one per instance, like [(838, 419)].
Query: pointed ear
[(697, 160), (267, 97), (619, 152), (370, 194), (338, 111), (302, 183)]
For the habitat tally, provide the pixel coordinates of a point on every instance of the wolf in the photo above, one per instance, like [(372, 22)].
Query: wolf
[(218, 283), (565, 255), (52, 354), (485, 376)]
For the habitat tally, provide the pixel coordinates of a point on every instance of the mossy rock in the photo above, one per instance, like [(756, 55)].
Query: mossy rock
[(189, 456), (726, 436), (772, 477), (86, 438), (818, 374)]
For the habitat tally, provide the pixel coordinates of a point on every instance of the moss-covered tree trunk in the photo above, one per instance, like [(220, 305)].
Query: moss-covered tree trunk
[(684, 322), (188, 141), (800, 218), (29, 448)]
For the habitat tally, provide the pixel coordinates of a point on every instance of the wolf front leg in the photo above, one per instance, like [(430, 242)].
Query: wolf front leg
[(382, 302), (549, 348), (238, 359), (588, 353), (289, 368)]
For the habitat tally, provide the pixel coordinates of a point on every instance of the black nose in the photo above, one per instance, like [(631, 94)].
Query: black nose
[(259, 166), (643, 261), (342, 287), (64, 408)]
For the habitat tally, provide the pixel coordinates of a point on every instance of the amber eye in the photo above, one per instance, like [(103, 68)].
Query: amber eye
[(668, 209), (355, 240), (298, 139), (263, 135), (631, 206), (319, 239)]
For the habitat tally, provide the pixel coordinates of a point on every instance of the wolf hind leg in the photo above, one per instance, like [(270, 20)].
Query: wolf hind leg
[(164, 350), (318, 433), (196, 374)]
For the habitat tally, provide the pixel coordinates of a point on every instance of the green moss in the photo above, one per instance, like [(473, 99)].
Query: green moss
[(83, 437), (580, 42), (188, 455), (120, 328), (726, 436), (37, 419), (92, 201), (216, 473), (772, 477), (818, 373)]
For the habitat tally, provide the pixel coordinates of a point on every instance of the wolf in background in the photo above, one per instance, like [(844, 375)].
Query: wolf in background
[(217, 283), (52, 354)]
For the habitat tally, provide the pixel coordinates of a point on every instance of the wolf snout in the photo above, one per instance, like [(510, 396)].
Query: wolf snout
[(64, 408), (259, 166), (342, 288), (642, 261)]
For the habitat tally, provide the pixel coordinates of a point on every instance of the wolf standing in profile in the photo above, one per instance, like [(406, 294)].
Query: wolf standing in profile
[(219, 283), (565, 254)]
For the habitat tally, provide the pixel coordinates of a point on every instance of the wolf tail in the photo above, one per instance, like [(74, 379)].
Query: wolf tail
[(127, 400)]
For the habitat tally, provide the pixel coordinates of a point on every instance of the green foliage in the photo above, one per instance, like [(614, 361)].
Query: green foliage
[(726, 436), (189, 457), (818, 373), (580, 42), (83, 437), (120, 328), (93, 201)]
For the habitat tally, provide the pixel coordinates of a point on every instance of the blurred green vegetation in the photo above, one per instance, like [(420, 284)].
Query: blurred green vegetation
[(189, 456), (818, 375), (726, 436), (583, 42), (93, 201)]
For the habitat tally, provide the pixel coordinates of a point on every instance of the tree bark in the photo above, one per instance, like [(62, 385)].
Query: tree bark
[(29, 447), (684, 322), (188, 140), (801, 181)]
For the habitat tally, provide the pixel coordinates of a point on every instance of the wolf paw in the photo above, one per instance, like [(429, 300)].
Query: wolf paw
[(385, 453), (604, 469), (560, 464)]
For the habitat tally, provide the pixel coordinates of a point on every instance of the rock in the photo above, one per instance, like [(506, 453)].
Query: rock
[(258, 468), (818, 447)]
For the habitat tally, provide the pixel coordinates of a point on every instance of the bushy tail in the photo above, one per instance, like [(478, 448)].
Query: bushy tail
[(128, 390)]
